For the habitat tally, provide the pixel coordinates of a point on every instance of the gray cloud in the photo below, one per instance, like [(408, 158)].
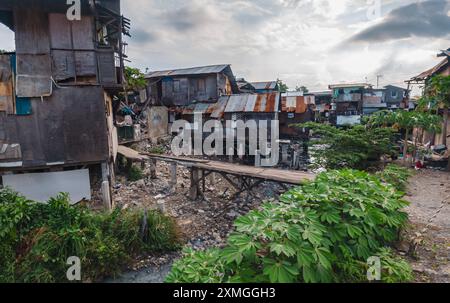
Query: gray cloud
[(422, 19), (142, 36), (187, 17)]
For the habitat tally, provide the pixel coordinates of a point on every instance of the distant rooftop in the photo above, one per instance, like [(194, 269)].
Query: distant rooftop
[(349, 85), (264, 85), (201, 70)]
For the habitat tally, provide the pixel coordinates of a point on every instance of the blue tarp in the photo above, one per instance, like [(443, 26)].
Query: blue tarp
[(23, 105)]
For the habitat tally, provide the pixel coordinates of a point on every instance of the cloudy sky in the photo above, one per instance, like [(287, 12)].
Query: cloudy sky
[(303, 42)]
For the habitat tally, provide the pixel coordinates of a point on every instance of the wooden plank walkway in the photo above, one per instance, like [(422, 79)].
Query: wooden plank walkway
[(248, 176), (268, 174)]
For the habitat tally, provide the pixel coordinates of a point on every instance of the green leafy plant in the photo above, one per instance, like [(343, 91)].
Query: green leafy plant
[(158, 150), (352, 147), (135, 79), (405, 121), (396, 175), (135, 174), (323, 231), (36, 239)]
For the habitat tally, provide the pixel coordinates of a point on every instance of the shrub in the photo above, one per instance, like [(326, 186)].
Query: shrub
[(135, 174), (158, 150), (351, 147), (396, 175), (36, 239), (322, 232)]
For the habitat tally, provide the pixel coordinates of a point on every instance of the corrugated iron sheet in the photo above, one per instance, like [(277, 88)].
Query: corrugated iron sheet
[(189, 71), (217, 110), (236, 103), (264, 85), (254, 103)]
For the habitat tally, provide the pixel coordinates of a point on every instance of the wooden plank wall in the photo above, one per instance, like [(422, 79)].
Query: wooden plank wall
[(69, 127)]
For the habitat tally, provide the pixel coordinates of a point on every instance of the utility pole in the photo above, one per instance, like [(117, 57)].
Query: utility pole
[(378, 80)]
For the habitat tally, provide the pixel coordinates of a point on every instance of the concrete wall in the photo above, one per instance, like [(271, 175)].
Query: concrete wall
[(158, 121)]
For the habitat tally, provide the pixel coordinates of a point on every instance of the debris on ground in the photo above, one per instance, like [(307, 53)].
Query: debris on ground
[(429, 236)]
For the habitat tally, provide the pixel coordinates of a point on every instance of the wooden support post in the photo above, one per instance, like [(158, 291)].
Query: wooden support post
[(173, 175), (258, 158), (106, 187), (193, 193), (106, 195), (153, 169), (212, 178), (203, 181)]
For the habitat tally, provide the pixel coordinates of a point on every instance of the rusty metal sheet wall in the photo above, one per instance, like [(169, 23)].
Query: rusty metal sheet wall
[(69, 127)]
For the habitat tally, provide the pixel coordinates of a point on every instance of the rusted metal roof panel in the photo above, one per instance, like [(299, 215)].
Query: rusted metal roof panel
[(251, 102), (236, 103), (273, 103), (301, 105), (217, 110)]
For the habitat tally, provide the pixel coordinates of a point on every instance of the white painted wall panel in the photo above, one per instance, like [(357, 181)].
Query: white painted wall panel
[(41, 187)]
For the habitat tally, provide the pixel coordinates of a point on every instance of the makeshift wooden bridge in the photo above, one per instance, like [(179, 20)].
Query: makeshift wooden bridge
[(248, 177)]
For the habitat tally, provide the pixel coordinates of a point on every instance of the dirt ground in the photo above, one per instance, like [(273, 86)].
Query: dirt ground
[(429, 235), (208, 222), (204, 223)]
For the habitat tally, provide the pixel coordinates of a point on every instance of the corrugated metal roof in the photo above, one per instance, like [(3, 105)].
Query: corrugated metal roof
[(199, 108), (212, 69), (236, 103), (349, 85), (218, 108), (264, 85), (429, 73)]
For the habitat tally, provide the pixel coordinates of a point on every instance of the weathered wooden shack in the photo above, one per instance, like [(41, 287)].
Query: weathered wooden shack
[(443, 69), (182, 87), (55, 94), (348, 103)]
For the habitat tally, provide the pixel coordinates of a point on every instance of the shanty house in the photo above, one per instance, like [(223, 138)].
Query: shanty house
[(395, 96), (182, 87), (348, 102), (374, 100), (56, 121), (442, 68)]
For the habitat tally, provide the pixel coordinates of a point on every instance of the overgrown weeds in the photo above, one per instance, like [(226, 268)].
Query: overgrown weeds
[(324, 231), (37, 239), (135, 174)]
